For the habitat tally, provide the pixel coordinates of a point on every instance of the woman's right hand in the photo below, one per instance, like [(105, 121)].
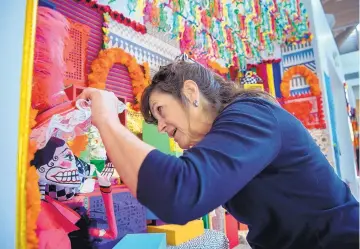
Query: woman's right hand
[(104, 105)]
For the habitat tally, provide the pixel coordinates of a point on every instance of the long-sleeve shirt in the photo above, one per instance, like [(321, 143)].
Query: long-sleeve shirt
[(263, 166)]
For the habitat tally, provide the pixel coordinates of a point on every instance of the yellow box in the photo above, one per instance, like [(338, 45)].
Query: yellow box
[(176, 234), (254, 87)]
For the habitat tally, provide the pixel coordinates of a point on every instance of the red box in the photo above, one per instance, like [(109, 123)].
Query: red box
[(232, 230)]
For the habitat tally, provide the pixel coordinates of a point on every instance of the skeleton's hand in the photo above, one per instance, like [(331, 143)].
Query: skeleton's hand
[(104, 181)]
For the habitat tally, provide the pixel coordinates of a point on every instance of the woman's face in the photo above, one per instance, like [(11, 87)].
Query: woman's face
[(185, 123)]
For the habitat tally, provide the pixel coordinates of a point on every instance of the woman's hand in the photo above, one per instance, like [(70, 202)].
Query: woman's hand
[(104, 105)]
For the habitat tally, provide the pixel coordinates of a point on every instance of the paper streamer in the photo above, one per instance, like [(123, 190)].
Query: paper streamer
[(270, 76), (140, 5), (277, 78)]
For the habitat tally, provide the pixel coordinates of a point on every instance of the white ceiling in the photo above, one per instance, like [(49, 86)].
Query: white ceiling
[(344, 17)]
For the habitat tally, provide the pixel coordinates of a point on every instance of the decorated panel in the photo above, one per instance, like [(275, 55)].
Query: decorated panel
[(87, 16), (300, 92)]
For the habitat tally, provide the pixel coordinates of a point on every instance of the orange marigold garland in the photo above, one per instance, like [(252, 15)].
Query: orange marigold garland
[(301, 106), (147, 75), (310, 78), (32, 192), (101, 66)]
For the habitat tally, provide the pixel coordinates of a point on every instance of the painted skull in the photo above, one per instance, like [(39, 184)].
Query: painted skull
[(251, 78), (57, 165)]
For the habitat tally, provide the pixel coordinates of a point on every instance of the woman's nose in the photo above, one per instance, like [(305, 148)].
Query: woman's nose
[(161, 126)]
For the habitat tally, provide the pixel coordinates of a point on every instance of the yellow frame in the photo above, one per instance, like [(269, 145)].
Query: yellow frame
[(24, 115)]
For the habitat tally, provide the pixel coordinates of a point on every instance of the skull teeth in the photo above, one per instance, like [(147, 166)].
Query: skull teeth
[(67, 177)]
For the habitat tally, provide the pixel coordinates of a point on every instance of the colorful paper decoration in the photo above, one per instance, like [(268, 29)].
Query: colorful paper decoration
[(119, 17), (105, 30), (101, 66), (75, 53), (308, 108), (95, 146), (134, 120), (232, 31)]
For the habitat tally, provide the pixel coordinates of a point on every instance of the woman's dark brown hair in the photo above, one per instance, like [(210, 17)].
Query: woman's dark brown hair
[(218, 92)]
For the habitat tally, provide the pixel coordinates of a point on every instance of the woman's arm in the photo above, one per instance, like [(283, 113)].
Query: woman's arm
[(126, 151)]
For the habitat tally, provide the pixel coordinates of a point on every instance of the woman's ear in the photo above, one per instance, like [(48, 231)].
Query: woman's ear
[(191, 91)]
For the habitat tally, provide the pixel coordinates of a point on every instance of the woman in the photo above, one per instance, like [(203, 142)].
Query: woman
[(244, 152)]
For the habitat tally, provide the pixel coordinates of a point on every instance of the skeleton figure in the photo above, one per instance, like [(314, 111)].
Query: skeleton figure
[(58, 167), (56, 164), (60, 172)]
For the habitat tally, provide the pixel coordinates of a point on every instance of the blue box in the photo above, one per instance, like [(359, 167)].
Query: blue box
[(150, 215), (142, 241)]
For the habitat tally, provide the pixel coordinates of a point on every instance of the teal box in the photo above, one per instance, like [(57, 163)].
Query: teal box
[(142, 241)]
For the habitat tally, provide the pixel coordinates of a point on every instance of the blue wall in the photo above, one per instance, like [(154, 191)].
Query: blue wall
[(12, 19)]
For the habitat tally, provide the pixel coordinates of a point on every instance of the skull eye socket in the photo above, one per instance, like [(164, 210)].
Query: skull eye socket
[(69, 157)]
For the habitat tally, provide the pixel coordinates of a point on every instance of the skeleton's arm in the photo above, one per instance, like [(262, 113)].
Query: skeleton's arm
[(111, 232)]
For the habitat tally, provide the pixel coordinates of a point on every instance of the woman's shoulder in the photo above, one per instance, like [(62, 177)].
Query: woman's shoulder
[(253, 101), (255, 111), (254, 106)]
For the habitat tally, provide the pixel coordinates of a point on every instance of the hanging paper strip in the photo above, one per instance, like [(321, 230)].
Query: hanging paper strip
[(277, 78), (253, 26)]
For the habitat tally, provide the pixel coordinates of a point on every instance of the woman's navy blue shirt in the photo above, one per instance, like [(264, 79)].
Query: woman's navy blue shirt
[(263, 166)]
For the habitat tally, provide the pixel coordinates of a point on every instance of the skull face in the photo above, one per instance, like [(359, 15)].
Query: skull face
[(57, 165)]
